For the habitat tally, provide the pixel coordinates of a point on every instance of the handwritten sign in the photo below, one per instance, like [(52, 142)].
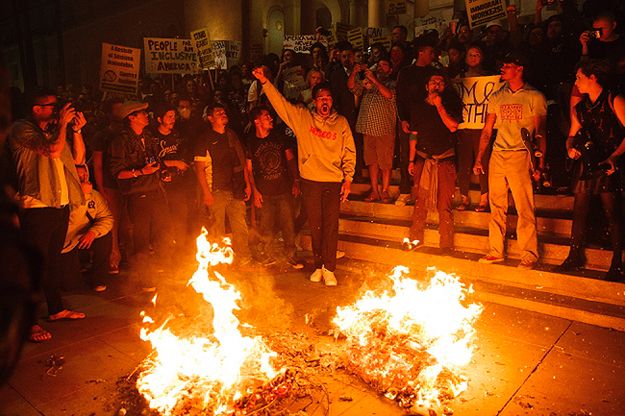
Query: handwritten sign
[(220, 57), (170, 56), (119, 69), (474, 93), (233, 52), (423, 24), (396, 7), (481, 12), (355, 37), (379, 35), (299, 43), (202, 43)]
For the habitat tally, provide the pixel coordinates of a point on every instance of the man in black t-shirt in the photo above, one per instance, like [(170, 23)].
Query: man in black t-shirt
[(178, 182), (220, 170), (274, 179), (432, 160)]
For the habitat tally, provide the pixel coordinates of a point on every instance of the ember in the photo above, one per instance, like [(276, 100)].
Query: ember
[(412, 343), (223, 372)]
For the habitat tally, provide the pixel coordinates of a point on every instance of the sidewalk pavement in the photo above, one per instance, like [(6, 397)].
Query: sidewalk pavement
[(526, 363)]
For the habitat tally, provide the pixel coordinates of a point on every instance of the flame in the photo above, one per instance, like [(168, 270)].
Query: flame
[(210, 372), (413, 342)]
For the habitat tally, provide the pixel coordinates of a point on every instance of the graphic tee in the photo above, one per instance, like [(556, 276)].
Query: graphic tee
[(269, 163)]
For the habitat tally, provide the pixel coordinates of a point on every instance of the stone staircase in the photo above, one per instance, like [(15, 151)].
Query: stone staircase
[(371, 233)]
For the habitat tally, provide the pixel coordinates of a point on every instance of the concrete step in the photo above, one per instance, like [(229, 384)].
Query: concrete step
[(552, 249), (546, 203), (469, 218), (583, 298)]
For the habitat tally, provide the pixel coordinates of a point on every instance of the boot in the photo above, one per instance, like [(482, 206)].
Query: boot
[(616, 273), (574, 261)]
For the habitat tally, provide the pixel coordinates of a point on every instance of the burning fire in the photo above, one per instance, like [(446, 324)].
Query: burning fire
[(214, 372), (413, 342)]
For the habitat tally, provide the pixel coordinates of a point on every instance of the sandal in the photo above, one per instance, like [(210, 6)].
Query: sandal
[(386, 198), (38, 334), (66, 314)]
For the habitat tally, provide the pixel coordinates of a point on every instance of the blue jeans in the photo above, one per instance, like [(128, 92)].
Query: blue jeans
[(277, 208), (226, 205)]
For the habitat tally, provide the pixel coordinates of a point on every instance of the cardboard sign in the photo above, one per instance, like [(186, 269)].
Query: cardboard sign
[(355, 37), (299, 43), (233, 52), (422, 24), (220, 57), (119, 69), (474, 93), (379, 35), (396, 7), (481, 12), (170, 56), (202, 44), (339, 31)]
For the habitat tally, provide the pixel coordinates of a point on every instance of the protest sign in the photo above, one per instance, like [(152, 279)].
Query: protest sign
[(299, 43), (339, 31), (233, 52), (422, 24), (170, 56), (119, 69), (474, 93), (481, 12), (220, 57), (354, 36), (202, 43), (396, 7), (379, 35)]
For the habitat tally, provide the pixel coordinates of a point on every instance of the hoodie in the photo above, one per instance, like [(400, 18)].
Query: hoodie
[(325, 146)]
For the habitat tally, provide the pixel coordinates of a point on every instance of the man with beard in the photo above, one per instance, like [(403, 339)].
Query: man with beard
[(326, 156), (516, 106), (47, 188)]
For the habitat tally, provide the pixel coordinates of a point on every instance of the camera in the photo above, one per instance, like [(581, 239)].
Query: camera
[(595, 33)]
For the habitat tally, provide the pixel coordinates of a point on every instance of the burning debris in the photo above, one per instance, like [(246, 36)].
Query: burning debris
[(412, 343), (216, 372)]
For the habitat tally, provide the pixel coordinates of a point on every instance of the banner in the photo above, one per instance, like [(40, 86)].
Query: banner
[(299, 43), (474, 93), (481, 12), (202, 43), (396, 7), (119, 69), (170, 56), (354, 36)]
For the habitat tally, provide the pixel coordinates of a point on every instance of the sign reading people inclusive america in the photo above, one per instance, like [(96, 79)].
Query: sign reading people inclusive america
[(474, 92), (170, 56), (119, 69)]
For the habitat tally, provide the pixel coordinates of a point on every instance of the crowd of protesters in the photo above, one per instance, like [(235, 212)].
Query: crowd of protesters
[(234, 150)]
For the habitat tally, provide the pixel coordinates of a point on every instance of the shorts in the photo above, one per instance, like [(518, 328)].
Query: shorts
[(379, 149)]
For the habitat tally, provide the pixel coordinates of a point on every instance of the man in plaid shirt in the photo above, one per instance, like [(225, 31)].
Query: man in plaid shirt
[(376, 122)]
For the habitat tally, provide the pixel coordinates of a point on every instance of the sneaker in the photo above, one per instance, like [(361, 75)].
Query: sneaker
[(297, 265), (99, 288), (113, 269), (340, 254), (316, 276), (402, 200), (527, 264), (329, 278), (488, 259)]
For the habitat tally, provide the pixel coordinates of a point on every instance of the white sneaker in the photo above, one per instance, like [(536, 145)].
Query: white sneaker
[(340, 254), (329, 278), (402, 200), (316, 276)]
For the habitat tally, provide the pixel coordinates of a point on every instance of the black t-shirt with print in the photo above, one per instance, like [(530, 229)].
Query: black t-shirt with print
[(173, 147), (269, 163), (222, 157)]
